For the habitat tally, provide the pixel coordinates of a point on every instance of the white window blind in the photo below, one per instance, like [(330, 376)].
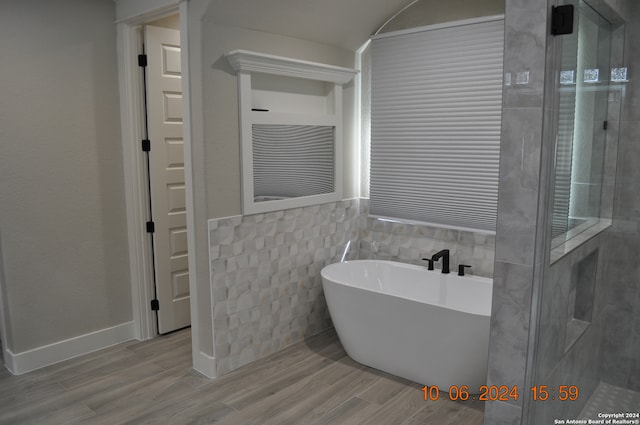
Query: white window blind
[(436, 104), (292, 160)]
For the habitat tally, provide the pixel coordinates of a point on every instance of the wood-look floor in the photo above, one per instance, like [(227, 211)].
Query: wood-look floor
[(151, 382)]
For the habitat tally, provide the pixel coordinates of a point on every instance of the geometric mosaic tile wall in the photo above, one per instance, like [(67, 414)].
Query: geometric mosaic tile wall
[(409, 243), (265, 270)]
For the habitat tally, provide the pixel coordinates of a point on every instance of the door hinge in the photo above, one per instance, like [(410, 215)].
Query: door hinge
[(142, 60), (151, 227), (562, 20), (155, 305), (146, 145), (605, 125)]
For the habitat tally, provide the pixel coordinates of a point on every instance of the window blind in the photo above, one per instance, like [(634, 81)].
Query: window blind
[(292, 160), (564, 138), (436, 104)]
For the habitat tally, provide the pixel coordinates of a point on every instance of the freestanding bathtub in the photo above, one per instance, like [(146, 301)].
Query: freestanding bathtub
[(425, 326)]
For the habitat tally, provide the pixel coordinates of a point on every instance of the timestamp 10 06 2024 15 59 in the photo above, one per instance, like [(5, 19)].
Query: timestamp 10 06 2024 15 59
[(501, 393)]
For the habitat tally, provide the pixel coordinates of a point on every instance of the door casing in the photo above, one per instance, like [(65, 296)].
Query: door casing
[(132, 120)]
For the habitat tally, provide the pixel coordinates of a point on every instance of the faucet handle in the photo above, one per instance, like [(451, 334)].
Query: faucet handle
[(461, 269), (429, 262)]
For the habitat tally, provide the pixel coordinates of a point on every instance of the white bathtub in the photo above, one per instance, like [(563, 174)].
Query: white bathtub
[(425, 326)]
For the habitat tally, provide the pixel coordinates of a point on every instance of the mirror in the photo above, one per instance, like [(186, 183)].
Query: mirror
[(582, 122), (290, 161)]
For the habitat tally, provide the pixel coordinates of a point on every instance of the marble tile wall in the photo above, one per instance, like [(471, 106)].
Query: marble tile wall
[(561, 358), (580, 367), (521, 213), (621, 363), (265, 275)]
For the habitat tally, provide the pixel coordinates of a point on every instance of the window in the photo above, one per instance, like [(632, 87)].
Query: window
[(436, 104)]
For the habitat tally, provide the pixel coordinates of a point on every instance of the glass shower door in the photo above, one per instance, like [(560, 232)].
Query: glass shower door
[(569, 326), (582, 115)]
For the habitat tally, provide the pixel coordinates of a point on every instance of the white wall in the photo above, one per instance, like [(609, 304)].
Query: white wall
[(62, 216), (429, 12), (134, 9), (171, 21)]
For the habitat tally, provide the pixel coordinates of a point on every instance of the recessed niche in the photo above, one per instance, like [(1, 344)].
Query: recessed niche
[(581, 296)]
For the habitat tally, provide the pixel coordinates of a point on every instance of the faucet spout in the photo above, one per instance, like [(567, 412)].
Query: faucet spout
[(444, 254)]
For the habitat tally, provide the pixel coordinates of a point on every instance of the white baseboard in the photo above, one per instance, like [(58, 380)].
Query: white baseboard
[(46, 355), (7, 360), (205, 364)]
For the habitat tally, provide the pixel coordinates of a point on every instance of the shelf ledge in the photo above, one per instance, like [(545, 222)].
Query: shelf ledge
[(247, 61)]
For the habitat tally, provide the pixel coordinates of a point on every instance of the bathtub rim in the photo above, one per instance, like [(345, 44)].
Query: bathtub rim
[(422, 269)]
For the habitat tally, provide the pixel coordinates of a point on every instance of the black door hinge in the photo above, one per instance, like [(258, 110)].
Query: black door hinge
[(562, 20), (151, 227), (142, 60), (605, 125), (155, 305), (146, 145)]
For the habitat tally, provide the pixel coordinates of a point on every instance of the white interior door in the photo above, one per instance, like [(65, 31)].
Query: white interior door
[(164, 108)]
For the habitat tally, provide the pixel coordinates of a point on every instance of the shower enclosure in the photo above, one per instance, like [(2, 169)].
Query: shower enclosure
[(585, 319)]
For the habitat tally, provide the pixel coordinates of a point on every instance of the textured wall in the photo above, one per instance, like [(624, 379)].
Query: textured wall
[(62, 220)]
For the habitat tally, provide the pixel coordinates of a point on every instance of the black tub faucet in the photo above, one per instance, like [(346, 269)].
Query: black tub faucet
[(444, 254), (461, 268), (429, 262)]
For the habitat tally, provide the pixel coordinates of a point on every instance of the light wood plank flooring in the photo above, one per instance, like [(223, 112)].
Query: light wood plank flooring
[(151, 382)]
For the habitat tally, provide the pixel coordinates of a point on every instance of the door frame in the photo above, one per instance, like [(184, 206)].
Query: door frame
[(129, 40), (7, 360), (135, 13)]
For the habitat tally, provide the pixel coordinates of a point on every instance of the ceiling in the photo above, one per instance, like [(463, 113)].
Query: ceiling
[(343, 23)]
